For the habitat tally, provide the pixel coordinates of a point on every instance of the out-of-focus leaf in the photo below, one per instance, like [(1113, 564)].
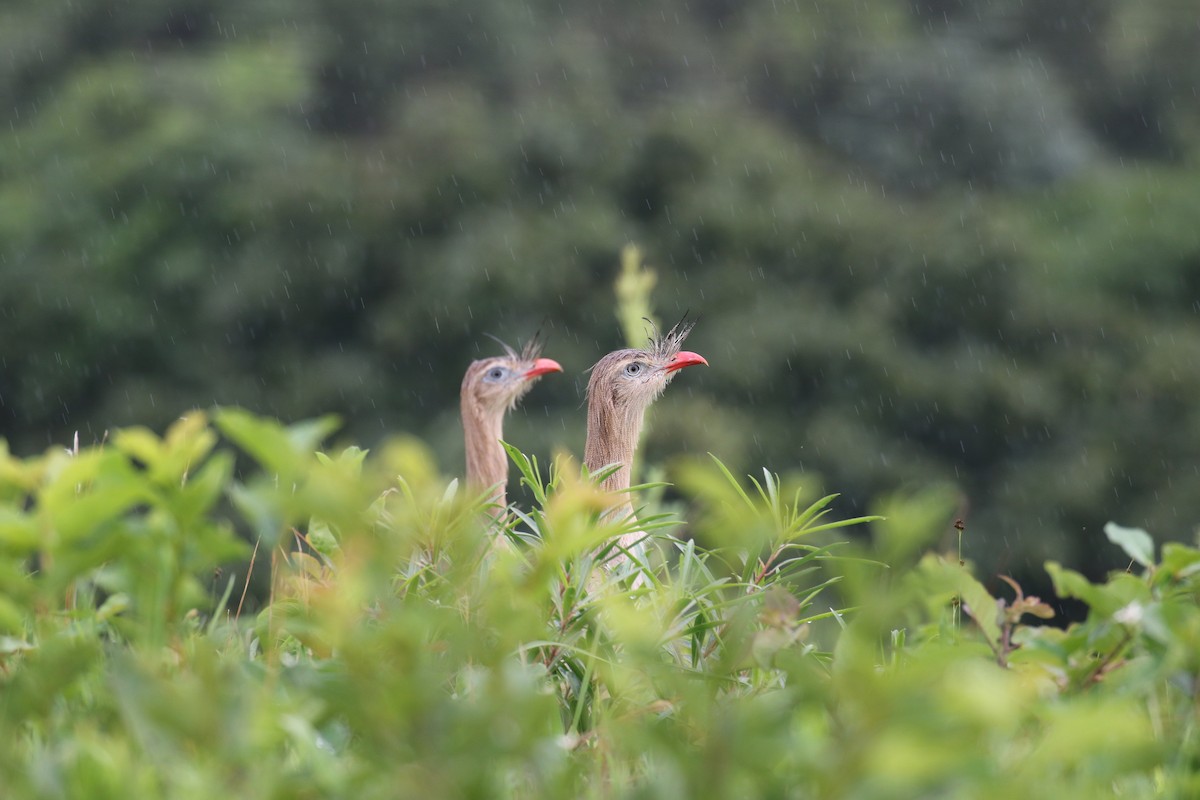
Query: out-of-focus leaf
[(140, 443), (1179, 561), (19, 533), (949, 582), (203, 489), (12, 618), (321, 538), (1136, 543), (260, 505), (1104, 599), (281, 450)]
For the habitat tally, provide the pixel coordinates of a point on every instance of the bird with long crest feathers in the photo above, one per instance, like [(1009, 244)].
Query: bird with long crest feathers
[(623, 385), (491, 387)]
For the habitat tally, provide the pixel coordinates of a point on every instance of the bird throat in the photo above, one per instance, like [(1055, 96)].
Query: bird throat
[(487, 463), (612, 438)]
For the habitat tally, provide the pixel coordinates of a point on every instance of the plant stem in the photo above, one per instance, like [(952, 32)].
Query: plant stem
[(958, 601)]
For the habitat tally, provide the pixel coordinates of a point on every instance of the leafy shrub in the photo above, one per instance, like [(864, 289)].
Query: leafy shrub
[(402, 647)]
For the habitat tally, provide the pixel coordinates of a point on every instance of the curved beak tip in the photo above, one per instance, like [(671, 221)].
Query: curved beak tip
[(542, 366), (685, 358)]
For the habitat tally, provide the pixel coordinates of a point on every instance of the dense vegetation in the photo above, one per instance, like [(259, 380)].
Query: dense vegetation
[(399, 654), (930, 241)]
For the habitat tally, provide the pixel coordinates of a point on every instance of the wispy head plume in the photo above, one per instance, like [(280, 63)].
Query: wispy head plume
[(664, 347), (533, 348), (511, 353)]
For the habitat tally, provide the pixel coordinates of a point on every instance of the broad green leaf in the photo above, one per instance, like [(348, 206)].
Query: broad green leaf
[(1069, 583), (211, 543), (283, 451), (1104, 599), (140, 443), (19, 533), (74, 519), (1179, 561), (12, 618), (92, 490), (17, 476), (980, 604), (259, 504), (943, 578), (1136, 543), (202, 491), (351, 459), (115, 604), (186, 444), (321, 538)]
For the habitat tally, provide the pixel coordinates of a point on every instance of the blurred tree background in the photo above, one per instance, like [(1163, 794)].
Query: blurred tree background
[(931, 241)]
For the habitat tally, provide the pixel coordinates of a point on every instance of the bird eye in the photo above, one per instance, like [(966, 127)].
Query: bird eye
[(495, 373), (634, 369)]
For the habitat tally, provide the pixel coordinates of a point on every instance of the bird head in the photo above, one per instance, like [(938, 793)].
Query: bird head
[(495, 384), (630, 380)]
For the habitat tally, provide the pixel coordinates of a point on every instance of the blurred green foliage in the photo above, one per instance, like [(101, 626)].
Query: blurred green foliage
[(400, 652), (932, 242)]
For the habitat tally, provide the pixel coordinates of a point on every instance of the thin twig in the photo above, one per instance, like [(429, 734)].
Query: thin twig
[(246, 587)]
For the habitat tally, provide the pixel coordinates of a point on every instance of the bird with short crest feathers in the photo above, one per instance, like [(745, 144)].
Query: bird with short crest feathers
[(623, 385), (491, 387)]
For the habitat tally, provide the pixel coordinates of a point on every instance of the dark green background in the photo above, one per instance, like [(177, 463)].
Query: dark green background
[(929, 241)]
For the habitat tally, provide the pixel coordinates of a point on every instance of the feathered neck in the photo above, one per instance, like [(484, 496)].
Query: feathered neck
[(613, 432), (487, 463)]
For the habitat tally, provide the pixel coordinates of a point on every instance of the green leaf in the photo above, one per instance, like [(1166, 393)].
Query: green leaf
[(737, 486), (1179, 561), (351, 458), (1136, 543), (281, 451), (1106, 598), (531, 476), (321, 538), (259, 504), (18, 532), (200, 494), (12, 620), (186, 444), (115, 604), (140, 443), (93, 489), (943, 577), (1069, 583)]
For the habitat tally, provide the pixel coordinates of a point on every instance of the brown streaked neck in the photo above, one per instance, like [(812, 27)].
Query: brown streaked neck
[(612, 438), (487, 463)]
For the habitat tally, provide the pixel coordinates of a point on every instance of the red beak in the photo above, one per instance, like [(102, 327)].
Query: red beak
[(541, 367), (685, 358)]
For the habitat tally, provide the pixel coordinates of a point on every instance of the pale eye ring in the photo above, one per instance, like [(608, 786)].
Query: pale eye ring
[(634, 369), (495, 373)]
